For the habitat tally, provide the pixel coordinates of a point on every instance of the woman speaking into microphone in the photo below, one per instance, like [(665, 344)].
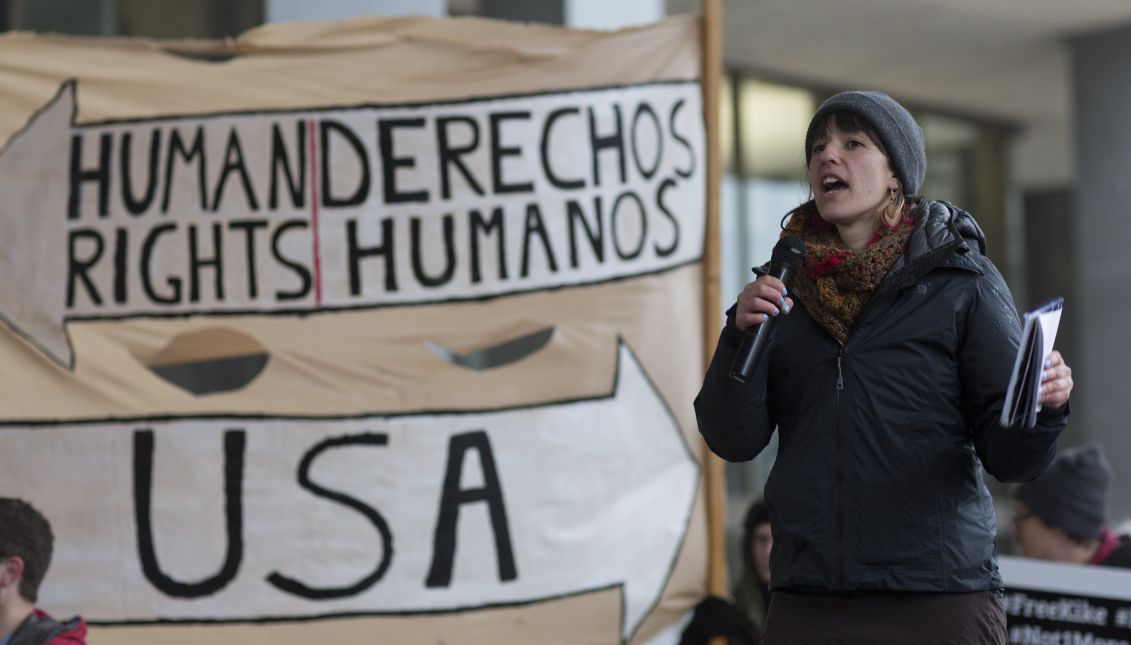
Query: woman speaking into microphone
[(885, 376)]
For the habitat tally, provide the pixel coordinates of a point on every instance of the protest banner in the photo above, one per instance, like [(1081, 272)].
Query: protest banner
[(1052, 602), (381, 328)]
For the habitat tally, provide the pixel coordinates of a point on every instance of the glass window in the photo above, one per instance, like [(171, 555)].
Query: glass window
[(772, 122), (726, 123), (188, 18), (74, 17), (952, 146), (181, 19)]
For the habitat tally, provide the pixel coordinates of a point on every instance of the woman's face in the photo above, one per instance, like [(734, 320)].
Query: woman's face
[(850, 177)]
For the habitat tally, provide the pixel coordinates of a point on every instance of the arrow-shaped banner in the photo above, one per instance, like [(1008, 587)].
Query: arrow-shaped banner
[(295, 211), (248, 519)]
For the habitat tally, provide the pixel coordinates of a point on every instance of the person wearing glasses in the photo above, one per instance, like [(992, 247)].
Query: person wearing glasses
[(1062, 515)]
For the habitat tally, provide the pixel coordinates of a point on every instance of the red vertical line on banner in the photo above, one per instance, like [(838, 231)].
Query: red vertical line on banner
[(314, 215)]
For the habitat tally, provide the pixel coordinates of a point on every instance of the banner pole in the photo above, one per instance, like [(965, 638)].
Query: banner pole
[(714, 473)]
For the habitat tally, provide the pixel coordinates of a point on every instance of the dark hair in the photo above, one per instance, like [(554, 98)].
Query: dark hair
[(757, 514), (24, 532), (852, 123)]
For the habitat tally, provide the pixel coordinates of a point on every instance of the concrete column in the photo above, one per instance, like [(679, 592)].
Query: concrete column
[(294, 10), (1101, 400)]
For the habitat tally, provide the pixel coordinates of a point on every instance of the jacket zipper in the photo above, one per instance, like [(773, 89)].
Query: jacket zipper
[(839, 472), (837, 427), (884, 287)]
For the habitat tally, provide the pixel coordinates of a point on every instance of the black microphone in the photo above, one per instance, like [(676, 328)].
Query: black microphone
[(785, 261)]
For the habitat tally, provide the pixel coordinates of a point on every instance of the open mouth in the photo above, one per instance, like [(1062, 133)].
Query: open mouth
[(831, 185)]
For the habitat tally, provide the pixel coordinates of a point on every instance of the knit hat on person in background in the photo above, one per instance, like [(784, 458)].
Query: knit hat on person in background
[(899, 133), (1073, 493)]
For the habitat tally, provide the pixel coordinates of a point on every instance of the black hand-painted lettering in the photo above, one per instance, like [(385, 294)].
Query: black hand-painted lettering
[(614, 224), (249, 227), (479, 225), (642, 110), (452, 155), (234, 444), (146, 265), (564, 184), (420, 247), (614, 141), (682, 141), (195, 152), (356, 253), (666, 185), (77, 267), (295, 176), (120, 273), (453, 497), (300, 270), (499, 151), (390, 162), (328, 162), (99, 174), (595, 233), (134, 205), (196, 262), (297, 588), (233, 162), (535, 226)]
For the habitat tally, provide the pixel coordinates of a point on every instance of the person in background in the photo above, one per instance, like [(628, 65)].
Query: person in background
[(885, 379), (1062, 515), (739, 623), (752, 590), (26, 542)]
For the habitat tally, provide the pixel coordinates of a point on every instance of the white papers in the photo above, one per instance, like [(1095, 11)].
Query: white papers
[(1038, 332)]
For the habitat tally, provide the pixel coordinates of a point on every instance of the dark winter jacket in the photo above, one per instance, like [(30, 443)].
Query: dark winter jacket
[(878, 483), (41, 629)]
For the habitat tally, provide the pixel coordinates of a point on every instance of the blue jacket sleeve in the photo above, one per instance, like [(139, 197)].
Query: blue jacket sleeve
[(734, 418), (993, 333)]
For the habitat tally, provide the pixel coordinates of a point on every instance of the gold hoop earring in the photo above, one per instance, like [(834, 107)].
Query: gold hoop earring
[(892, 211)]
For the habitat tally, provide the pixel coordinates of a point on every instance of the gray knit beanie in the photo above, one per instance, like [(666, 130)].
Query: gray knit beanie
[(898, 131), (1073, 492)]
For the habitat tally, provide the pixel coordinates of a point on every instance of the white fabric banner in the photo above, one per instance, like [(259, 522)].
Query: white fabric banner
[(377, 330)]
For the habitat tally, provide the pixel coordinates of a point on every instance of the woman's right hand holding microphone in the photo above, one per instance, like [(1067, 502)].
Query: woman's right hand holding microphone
[(761, 299)]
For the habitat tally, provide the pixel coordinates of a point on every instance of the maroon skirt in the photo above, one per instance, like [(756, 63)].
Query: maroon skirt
[(975, 618)]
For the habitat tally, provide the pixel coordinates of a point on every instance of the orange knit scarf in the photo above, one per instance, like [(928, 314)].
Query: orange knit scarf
[(836, 282)]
